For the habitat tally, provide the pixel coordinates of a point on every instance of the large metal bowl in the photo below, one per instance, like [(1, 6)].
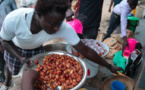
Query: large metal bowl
[(41, 56)]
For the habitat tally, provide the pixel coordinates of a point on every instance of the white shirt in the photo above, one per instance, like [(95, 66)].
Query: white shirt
[(17, 28), (123, 9)]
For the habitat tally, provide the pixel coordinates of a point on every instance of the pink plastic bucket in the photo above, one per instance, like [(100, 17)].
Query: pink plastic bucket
[(132, 43), (77, 25), (126, 52)]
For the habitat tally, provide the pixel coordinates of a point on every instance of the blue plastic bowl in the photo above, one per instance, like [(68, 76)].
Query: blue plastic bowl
[(117, 85)]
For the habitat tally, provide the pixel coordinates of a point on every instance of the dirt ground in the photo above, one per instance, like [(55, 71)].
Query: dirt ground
[(102, 73)]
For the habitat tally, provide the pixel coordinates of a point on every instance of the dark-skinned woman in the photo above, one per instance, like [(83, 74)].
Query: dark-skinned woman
[(25, 30)]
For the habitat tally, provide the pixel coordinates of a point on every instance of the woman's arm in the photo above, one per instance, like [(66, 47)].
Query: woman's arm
[(93, 56), (11, 48), (7, 34), (28, 79)]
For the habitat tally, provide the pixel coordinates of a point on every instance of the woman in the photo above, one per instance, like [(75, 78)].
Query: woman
[(25, 30)]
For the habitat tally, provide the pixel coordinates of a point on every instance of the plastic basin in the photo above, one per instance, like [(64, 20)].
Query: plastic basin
[(117, 85), (128, 82)]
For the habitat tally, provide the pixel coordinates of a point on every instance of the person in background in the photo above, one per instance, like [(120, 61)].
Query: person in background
[(119, 16), (115, 3), (89, 13), (6, 6), (26, 29)]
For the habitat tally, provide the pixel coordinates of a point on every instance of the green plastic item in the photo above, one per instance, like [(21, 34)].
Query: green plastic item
[(122, 65), (119, 61), (133, 22)]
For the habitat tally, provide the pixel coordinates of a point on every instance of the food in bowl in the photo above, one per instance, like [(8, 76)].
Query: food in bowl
[(58, 70), (93, 44)]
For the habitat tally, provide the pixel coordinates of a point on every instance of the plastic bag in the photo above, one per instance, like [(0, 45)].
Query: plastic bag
[(110, 42), (118, 38), (117, 46), (111, 53)]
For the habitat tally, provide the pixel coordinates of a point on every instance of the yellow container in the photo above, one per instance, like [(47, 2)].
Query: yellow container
[(134, 11)]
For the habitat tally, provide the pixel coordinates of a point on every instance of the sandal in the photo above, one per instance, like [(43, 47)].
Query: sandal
[(4, 87)]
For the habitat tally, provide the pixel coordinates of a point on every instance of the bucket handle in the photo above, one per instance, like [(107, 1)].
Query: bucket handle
[(137, 23)]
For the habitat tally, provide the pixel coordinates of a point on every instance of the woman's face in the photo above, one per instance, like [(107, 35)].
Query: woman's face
[(51, 22)]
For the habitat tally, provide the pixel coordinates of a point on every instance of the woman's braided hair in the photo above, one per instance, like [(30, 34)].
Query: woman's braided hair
[(45, 6)]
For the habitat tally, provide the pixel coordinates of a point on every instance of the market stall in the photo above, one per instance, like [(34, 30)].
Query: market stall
[(94, 76)]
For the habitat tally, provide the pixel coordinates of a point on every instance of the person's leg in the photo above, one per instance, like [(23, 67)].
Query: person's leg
[(89, 14), (12, 64), (90, 33), (8, 77), (114, 22), (2, 67), (7, 80)]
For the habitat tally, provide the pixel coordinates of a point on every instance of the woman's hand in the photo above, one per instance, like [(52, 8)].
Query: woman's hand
[(25, 60), (114, 69), (30, 74), (28, 79)]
